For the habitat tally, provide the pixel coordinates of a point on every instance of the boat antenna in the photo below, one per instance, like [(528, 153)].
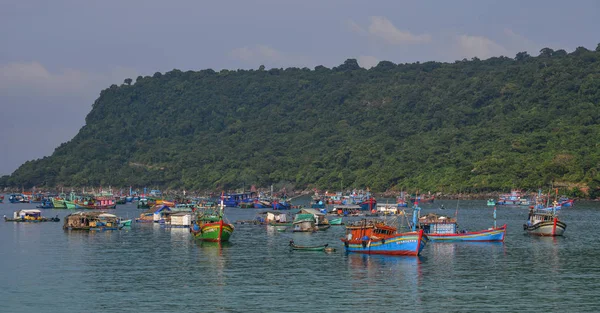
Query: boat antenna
[(457, 200)]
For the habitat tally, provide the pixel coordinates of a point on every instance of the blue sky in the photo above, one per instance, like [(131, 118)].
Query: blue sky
[(56, 56)]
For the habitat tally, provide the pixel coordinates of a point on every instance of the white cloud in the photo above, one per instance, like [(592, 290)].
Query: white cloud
[(32, 76), (265, 55), (355, 28), (384, 29), (367, 61), (519, 43), (478, 46)]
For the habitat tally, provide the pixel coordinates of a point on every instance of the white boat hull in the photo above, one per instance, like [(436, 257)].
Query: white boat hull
[(546, 228)]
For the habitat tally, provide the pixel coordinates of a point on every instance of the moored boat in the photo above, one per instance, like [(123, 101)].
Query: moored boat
[(544, 223), (210, 225), (30, 216), (439, 228), (294, 246), (91, 221), (336, 221), (375, 237), (125, 223)]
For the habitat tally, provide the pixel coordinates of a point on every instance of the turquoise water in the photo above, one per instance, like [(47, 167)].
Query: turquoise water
[(148, 268)]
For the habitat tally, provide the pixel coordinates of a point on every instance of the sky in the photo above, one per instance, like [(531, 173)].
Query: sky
[(56, 56)]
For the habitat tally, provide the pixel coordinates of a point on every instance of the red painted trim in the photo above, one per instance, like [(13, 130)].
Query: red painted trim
[(554, 226), (220, 229), (419, 241)]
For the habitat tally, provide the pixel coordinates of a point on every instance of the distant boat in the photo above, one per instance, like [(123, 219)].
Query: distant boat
[(336, 221), (125, 223), (30, 216), (1, 198), (491, 202)]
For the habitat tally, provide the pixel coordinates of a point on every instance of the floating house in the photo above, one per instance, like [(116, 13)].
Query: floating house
[(91, 221), (179, 219)]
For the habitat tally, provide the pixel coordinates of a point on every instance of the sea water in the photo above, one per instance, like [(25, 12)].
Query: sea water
[(149, 268)]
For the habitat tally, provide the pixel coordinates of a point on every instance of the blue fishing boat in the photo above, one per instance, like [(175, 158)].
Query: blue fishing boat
[(377, 237), (440, 228), (236, 199)]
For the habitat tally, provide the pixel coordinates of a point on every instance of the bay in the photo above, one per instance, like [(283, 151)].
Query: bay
[(149, 268)]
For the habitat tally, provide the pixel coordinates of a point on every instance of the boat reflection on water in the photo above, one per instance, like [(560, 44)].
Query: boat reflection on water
[(212, 257), (400, 269)]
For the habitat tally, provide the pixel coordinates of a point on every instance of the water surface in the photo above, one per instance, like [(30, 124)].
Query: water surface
[(148, 268)]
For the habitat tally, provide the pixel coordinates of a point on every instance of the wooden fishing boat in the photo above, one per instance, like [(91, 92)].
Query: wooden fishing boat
[(375, 237), (1, 198), (30, 216), (125, 223), (543, 222), (439, 228), (294, 246), (210, 225)]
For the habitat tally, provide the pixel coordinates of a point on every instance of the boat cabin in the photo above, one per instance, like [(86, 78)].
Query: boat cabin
[(159, 212), (369, 230), (346, 210), (437, 224), (304, 223), (538, 216), (387, 209), (179, 219), (320, 218), (28, 215)]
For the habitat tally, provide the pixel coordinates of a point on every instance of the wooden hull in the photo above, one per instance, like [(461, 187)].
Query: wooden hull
[(58, 204), (98, 207), (308, 248), (411, 243), (22, 220), (214, 232), (336, 221), (72, 205), (546, 228), (488, 235), (88, 228)]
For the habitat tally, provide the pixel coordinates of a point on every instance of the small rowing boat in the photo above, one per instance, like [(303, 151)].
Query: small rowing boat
[(294, 246)]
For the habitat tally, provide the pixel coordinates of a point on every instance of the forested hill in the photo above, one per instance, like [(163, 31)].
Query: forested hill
[(473, 125)]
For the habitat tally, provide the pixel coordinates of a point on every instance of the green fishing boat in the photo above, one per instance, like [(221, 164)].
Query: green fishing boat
[(211, 226), (336, 221)]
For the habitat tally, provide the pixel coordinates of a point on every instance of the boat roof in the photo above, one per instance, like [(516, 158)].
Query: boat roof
[(107, 215), (273, 212), (346, 206), (30, 211), (310, 211)]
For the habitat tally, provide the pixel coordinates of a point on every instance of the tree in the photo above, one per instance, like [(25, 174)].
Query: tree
[(546, 52), (521, 56), (128, 81)]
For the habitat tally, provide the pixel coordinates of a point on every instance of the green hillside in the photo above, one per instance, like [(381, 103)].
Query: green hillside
[(473, 125)]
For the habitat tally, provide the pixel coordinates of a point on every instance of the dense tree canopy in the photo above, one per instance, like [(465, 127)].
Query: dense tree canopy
[(477, 125)]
